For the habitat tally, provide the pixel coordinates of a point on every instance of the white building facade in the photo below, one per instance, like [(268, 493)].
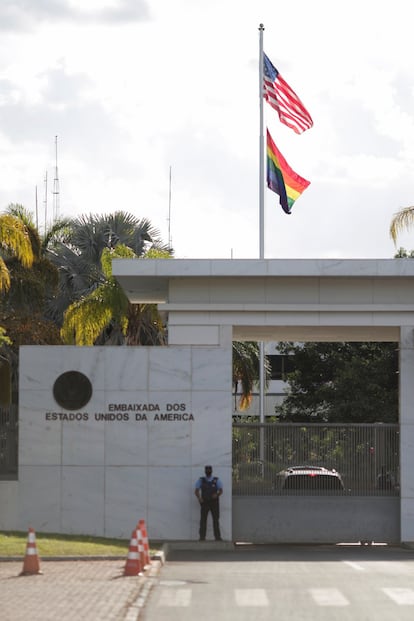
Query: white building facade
[(150, 418)]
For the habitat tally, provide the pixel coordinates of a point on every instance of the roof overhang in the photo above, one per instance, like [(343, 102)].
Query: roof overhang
[(278, 299)]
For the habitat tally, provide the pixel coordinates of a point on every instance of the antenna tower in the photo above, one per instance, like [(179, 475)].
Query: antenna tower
[(45, 202), (56, 198)]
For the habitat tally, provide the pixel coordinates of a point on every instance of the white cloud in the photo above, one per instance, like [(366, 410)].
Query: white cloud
[(27, 14), (131, 91)]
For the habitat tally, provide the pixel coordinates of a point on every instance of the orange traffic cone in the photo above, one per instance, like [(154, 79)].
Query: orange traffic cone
[(133, 563), (141, 551), (31, 563), (144, 536)]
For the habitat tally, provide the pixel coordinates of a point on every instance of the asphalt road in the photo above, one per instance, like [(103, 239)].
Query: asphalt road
[(318, 583)]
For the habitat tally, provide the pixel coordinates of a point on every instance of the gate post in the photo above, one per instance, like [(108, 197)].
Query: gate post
[(407, 432)]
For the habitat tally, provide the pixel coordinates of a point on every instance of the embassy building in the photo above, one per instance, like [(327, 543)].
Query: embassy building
[(110, 435)]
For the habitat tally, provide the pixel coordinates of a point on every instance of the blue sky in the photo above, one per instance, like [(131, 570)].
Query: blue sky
[(132, 88)]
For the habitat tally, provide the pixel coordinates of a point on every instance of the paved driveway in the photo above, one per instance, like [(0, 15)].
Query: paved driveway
[(70, 590), (290, 583)]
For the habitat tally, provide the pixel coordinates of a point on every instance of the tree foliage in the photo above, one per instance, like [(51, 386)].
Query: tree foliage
[(32, 277), (341, 382), (402, 220), (402, 253), (246, 370), (28, 280), (59, 288), (86, 318), (104, 316), (79, 246), (14, 242)]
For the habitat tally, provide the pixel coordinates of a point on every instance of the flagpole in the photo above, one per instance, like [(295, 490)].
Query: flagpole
[(261, 235), (293, 114), (261, 146)]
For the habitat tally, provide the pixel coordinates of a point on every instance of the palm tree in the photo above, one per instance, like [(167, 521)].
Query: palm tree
[(106, 317), (35, 282), (14, 242), (77, 252), (246, 370), (26, 280), (94, 308), (91, 234), (402, 220)]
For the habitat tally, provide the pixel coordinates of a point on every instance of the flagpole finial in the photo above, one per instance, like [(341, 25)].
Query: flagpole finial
[(261, 27)]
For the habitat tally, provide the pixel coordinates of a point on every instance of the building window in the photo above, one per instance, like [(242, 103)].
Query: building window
[(280, 365)]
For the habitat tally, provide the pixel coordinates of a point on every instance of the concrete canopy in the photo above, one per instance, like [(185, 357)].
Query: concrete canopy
[(277, 299)]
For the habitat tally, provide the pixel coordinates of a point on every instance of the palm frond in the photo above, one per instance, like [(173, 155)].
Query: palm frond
[(4, 276), (15, 239), (21, 213), (59, 232), (120, 252), (246, 369), (85, 319), (402, 220), (145, 325), (4, 339)]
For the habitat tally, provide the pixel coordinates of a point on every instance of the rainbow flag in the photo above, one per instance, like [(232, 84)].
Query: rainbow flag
[(281, 178)]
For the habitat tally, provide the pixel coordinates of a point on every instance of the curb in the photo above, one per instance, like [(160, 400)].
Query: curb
[(134, 610), (4, 559), (197, 546), (158, 556)]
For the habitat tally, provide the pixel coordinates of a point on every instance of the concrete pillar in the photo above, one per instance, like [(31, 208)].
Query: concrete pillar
[(407, 432)]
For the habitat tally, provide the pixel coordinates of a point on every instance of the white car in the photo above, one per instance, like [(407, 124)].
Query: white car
[(309, 478)]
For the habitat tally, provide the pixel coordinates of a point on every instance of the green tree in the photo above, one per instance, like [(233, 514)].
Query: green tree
[(91, 306), (105, 316), (14, 243), (33, 282), (341, 382), (30, 281), (402, 253), (76, 250), (246, 370)]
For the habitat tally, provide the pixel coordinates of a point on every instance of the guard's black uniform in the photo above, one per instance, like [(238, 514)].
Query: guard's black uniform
[(210, 503)]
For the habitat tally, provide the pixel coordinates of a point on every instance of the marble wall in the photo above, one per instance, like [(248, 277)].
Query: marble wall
[(157, 415), (407, 433)]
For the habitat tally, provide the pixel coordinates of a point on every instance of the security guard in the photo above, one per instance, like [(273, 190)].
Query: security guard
[(208, 489)]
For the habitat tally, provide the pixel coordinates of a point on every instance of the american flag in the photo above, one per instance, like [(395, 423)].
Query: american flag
[(283, 99)]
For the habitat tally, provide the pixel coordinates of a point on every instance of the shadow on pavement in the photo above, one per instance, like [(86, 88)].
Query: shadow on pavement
[(239, 552)]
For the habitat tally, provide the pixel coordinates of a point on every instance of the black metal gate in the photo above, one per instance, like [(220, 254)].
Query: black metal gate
[(8, 442), (365, 458)]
